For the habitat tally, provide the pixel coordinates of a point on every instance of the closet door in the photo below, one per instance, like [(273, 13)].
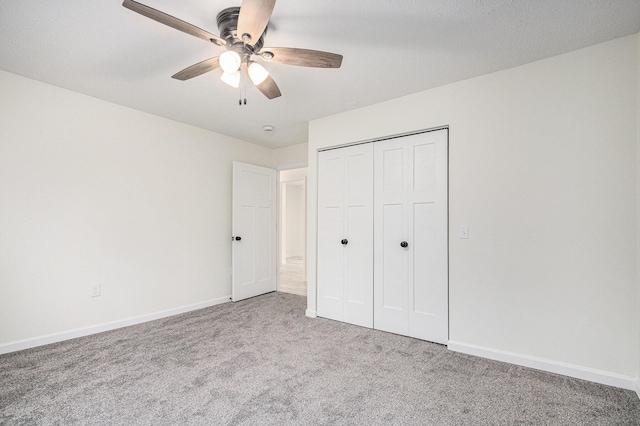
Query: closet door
[(345, 238), (410, 254)]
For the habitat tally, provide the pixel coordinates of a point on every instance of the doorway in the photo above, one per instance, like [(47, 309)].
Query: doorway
[(293, 231)]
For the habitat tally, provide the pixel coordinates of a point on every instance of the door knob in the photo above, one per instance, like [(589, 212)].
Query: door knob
[(345, 242), (404, 244), (238, 238)]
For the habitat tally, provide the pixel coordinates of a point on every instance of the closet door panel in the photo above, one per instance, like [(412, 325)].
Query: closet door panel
[(345, 239), (358, 220), (421, 268), (441, 237), (428, 261), (356, 260), (423, 164), (331, 168), (394, 265), (390, 167), (359, 271), (390, 259), (331, 255), (359, 173), (390, 294), (411, 282), (420, 199)]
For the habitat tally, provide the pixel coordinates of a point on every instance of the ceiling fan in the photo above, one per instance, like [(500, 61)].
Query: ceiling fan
[(242, 31)]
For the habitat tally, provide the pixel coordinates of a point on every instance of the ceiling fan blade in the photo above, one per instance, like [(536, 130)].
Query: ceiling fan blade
[(253, 19), (301, 57), (172, 21), (269, 88), (198, 69)]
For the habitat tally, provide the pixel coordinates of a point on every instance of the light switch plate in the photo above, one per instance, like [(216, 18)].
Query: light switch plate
[(464, 232)]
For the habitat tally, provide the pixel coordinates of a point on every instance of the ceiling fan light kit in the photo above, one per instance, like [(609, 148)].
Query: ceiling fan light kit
[(242, 31)]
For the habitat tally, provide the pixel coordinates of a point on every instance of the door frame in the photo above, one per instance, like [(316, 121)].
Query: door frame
[(279, 182), (312, 308)]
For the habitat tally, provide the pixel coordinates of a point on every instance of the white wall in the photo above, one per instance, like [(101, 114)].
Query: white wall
[(92, 192), (543, 170)]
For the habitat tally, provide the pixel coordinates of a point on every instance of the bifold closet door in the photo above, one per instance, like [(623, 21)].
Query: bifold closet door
[(345, 237), (410, 254)]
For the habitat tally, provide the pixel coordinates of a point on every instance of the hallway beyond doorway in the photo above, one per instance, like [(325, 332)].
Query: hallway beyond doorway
[(292, 234), (292, 276)]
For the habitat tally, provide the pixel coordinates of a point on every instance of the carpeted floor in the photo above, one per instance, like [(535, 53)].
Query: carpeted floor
[(261, 361)]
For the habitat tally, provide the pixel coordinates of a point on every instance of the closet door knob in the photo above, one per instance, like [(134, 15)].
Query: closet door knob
[(238, 238), (404, 244), (344, 242)]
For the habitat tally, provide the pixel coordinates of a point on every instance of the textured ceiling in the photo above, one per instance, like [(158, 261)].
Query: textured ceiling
[(391, 48)]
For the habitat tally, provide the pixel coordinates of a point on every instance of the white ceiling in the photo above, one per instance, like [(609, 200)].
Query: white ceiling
[(391, 48)]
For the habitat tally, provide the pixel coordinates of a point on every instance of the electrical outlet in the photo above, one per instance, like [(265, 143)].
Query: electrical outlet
[(95, 290)]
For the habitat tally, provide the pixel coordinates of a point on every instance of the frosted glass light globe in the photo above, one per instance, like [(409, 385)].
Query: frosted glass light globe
[(231, 78), (230, 61), (257, 73)]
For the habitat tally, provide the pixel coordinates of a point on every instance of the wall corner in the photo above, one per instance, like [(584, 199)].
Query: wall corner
[(638, 209)]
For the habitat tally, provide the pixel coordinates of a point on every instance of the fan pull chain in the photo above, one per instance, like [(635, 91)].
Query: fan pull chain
[(245, 77), (242, 80)]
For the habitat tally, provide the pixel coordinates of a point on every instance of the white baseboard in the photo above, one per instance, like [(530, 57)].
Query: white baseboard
[(311, 314), (585, 373), (94, 329)]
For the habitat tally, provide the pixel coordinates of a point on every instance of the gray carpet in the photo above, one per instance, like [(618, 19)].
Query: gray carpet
[(261, 361)]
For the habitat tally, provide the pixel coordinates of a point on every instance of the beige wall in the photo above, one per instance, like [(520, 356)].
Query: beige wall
[(92, 192), (290, 156), (543, 170), (638, 212)]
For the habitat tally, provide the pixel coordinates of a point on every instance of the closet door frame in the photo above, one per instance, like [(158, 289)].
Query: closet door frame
[(442, 327)]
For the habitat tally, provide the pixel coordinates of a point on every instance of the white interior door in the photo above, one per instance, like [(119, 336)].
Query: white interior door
[(254, 231), (411, 249), (345, 238)]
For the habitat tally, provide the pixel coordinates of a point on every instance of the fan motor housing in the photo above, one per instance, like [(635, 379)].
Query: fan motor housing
[(227, 21)]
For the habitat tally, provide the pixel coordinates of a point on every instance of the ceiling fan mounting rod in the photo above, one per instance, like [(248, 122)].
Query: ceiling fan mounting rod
[(227, 21)]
